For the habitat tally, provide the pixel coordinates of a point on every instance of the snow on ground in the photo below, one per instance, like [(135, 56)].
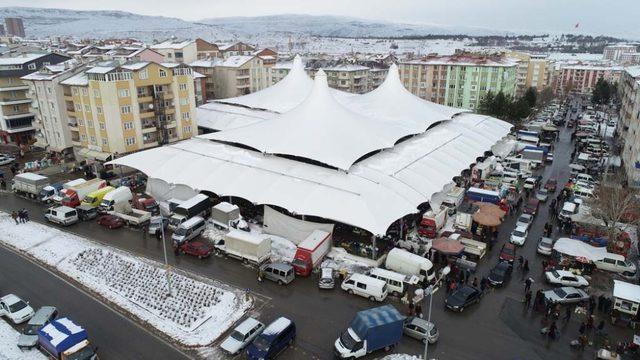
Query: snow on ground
[(198, 312), (338, 259), (401, 357), (8, 348)]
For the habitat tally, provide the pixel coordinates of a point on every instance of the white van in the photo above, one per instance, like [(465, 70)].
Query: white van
[(62, 215), (617, 264), (396, 282), (365, 286), (188, 230), (407, 263), (116, 200), (583, 193), (585, 177), (568, 208)]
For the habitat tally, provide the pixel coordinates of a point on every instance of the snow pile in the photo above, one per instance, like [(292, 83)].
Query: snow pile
[(197, 313), (282, 250), (401, 357), (8, 348), (339, 260)]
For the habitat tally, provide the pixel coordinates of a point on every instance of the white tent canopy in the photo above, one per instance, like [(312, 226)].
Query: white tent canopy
[(577, 248), (626, 291)]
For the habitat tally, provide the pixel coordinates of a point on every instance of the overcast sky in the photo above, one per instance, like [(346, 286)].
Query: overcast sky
[(594, 16)]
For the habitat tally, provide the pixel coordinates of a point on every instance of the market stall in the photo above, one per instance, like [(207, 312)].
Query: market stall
[(626, 303)]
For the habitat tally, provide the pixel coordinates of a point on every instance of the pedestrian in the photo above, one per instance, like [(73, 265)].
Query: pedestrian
[(453, 286), (592, 304), (483, 284), (553, 330), (475, 282), (21, 216), (520, 262), (527, 299), (176, 249), (567, 314), (411, 307), (583, 327), (601, 303), (158, 234), (419, 310), (467, 275), (527, 284), (260, 274), (3, 184), (14, 216), (600, 328), (26, 215), (145, 230)]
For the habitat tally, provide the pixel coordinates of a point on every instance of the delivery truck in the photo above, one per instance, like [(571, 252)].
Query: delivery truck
[(62, 193), (29, 184), (404, 262), (94, 199), (223, 214), (75, 194), (453, 199), (49, 192), (245, 246), (199, 205), (63, 339), (311, 251), (432, 221), (371, 330), (483, 195), (535, 155), (116, 201)]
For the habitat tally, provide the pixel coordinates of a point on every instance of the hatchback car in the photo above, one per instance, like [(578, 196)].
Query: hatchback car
[(551, 185), (549, 157), (279, 272), (326, 281), (196, 248), (565, 278), (16, 309), (531, 207), (29, 336), (461, 298), (421, 329), (519, 235), (242, 336), (545, 246), (111, 221), (6, 159), (542, 195), (500, 274), (565, 295), (524, 220), (508, 253), (273, 340)]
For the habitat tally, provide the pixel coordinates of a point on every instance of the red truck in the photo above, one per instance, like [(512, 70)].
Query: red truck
[(432, 221), (311, 251), (74, 195), (146, 203)]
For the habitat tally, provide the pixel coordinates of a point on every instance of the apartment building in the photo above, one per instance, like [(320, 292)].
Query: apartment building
[(14, 27), (116, 109), (613, 52), (52, 122), (236, 49), (629, 127), (239, 75), (16, 115), (207, 67), (177, 51), (459, 80), (531, 71), (582, 78), (632, 58), (206, 50)]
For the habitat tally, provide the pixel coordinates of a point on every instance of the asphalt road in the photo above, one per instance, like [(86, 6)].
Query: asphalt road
[(115, 336), (497, 328)]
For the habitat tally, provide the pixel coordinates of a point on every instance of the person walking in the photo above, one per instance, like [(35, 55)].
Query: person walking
[(475, 282), (26, 215), (21, 216), (567, 314), (527, 284), (600, 328), (527, 299), (14, 216), (553, 329), (419, 310), (411, 307)]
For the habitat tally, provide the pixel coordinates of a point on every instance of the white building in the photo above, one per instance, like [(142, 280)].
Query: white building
[(178, 51), (613, 52)]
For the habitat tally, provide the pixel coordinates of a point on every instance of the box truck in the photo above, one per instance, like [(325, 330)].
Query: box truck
[(94, 199), (453, 199), (49, 192), (199, 205), (432, 221), (244, 246), (404, 262), (370, 330), (483, 195), (29, 184), (63, 339), (224, 214), (311, 251), (75, 194), (116, 201)]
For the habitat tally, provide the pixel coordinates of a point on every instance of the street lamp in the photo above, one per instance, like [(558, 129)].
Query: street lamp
[(445, 271), (166, 262)]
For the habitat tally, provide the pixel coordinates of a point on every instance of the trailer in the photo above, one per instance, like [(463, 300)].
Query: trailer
[(242, 245), (29, 184), (63, 339), (311, 251)]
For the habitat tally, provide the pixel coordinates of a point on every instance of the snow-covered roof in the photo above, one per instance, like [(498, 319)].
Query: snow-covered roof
[(197, 75), (170, 44), (77, 80), (236, 61), (217, 116), (136, 65), (626, 291), (346, 67), (100, 69), (170, 65), (371, 195), (633, 71), (21, 59), (207, 63)]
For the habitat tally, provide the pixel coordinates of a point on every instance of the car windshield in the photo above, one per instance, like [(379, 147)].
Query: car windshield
[(298, 262), (44, 193), (85, 353), (523, 219), (261, 343), (561, 293), (347, 340), (507, 251), (17, 306), (180, 231), (555, 274), (237, 335), (31, 329), (542, 192), (518, 233), (89, 199)]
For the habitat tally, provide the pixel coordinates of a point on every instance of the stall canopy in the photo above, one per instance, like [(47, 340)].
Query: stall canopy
[(486, 219), (447, 246), (577, 248), (491, 209), (626, 291)]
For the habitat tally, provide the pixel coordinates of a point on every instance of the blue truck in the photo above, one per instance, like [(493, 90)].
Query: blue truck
[(371, 330), (63, 339), (483, 195)]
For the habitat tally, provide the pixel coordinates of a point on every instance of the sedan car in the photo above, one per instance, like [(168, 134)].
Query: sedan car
[(565, 278), (519, 235), (508, 253), (29, 336), (462, 297), (111, 221), (196, 248), (531, 207), (421, 329), (565, 295), (542, 195), (16, 309), (524, 220), (551, 185), (6, 159), (545, 246), (500, 273), (326, 281), (242, 335), (549, 157)]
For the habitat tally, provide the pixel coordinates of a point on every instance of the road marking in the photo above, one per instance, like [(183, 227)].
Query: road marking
[(99, 301)]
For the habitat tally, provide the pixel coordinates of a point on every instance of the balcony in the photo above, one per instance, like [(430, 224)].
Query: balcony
[(11, 101), (148, 127), (73, 126), (144, 98), (150, 144), (147, 114), (14, 88), (170, 125), (15, 125), (166, 95)]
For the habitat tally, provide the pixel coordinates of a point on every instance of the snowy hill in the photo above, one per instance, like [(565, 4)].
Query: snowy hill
[(39, 22)]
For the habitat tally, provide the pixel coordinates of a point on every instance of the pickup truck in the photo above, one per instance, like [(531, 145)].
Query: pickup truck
[(131, 216)]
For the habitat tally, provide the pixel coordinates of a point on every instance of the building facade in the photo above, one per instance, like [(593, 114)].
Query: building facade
[(613, 52), (629, 127), (582, 78), (177, 51), (121, 109), (16, 115), (206, 50), (459, 80), (239, 75), (14, 27)]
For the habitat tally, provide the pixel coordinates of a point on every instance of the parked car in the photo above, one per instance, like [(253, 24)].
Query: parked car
[(500, 273), (6, 159), (62, 215), (530, 183), (196, 248), (281, 273), (519, 235), (542, 195), (551, 185), (29, 336), (242, 336), (508, 252), (531, 207), (462, 297), (16, 309), (524, 220), (365, 286), (421, 329), (549, 157), (86, 213), (157, 223), (273, 340), (326, 281), (565, 295), (545, 246), (565, 278), (111, 221)]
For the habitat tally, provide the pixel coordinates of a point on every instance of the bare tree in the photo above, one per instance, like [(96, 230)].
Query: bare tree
[(616, 204)]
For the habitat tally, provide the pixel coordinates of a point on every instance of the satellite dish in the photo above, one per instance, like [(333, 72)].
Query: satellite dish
[(150, 106)]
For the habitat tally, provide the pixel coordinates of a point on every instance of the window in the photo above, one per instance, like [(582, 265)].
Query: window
[(99, 109), (130, 141), (162, 73), (49, 90), (104, 141), (144, 74), (93, 140), (87, 108), (185, 116), (85, 92), (32, 66), (184, 101), (128, 125), (83, 137), (96, 93), (74, 91), (125, 109), (183, 87), (123, 93), (186, 129), (102, 127), (80, 122), (362, 286), (16, 108), (90, 123), (78, 107)]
